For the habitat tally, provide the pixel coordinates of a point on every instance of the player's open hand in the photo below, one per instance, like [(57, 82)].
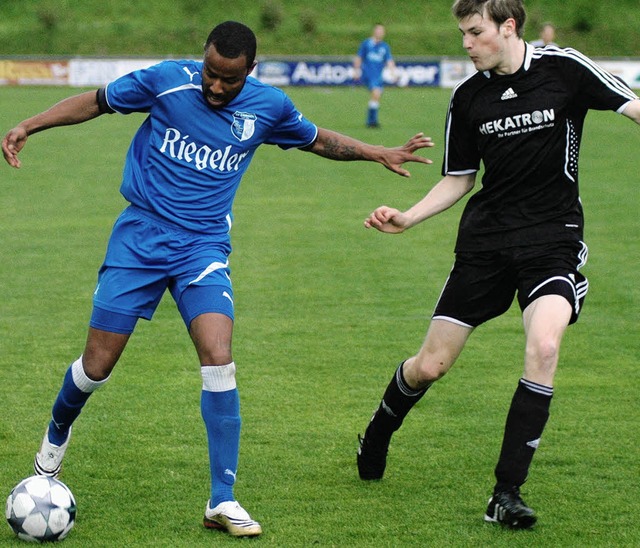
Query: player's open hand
[(12, 144), (394, 157), (387, 219)]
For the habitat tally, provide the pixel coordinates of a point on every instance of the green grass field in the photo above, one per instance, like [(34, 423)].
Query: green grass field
[(300, 27), (325, 311)]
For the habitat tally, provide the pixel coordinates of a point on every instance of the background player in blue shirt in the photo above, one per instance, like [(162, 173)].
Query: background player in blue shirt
[(521, 116), (374, 55), (205, 121)]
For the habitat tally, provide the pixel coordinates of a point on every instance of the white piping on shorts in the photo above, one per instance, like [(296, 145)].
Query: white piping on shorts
[(211, 268)]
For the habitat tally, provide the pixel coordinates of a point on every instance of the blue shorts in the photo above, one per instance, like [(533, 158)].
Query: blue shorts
[(147, 256), (372, 82)]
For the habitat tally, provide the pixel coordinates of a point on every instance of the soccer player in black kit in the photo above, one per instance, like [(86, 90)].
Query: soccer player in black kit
[(521, 114)]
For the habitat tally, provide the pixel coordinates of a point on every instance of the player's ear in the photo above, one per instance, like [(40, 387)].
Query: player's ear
[(508, 27), (250, 69)]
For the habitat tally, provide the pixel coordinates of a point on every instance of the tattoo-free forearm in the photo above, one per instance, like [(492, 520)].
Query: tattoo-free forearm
[(73, 110)]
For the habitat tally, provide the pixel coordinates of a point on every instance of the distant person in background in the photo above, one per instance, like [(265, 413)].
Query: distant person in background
[(204, 121), (547, 36), (373, 57)]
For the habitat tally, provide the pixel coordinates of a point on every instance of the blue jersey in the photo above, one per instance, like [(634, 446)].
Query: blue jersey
[(186, 160), (375, 56)]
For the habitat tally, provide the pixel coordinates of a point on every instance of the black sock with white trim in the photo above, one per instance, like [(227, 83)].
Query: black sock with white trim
[(525, 423), (397, 401)]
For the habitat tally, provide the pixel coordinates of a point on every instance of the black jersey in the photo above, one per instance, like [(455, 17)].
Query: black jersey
[(526, 129)]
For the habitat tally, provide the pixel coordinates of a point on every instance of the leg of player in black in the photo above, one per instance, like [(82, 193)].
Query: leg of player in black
[(397, 401), (442, 346), (545, 321), (525, 423)]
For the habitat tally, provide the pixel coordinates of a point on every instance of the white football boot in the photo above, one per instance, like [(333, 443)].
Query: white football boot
[(48, 460), (231, 517)]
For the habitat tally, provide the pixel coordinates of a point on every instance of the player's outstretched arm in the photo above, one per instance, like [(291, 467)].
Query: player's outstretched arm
[(337, 146), (73, 110), (447, 192)]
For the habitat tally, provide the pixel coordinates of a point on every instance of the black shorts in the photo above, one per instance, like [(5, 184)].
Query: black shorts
[(482, 285)]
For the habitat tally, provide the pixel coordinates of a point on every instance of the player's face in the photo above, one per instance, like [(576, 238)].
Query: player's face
[(378, 33), (222, 78), (484, 41)]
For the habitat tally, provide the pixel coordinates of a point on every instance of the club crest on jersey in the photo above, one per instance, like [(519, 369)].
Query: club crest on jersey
[(244, 125)]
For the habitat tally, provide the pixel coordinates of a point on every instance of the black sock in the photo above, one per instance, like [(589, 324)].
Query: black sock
[(397, 401), (526, 420)]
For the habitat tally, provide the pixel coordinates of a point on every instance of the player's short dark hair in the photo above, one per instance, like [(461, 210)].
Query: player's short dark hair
[(498, 10), (232, 39)]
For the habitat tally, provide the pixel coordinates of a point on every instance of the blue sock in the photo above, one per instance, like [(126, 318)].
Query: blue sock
[(372, 113), (221, 415), (74, 393)]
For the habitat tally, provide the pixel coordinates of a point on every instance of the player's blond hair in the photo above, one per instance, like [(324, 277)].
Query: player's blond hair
[(497, 10)]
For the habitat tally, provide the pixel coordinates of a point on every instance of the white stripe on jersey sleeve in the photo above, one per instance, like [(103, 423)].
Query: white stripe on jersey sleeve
[(179, 88), (605, 77), (448, 129)]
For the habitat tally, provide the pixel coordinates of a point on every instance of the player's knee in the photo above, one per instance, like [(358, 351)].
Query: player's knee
[(543, 354), (97, 370), (422, 370), (432, 372), (98, 367), (215, 356), (211, 334), (102, 352)]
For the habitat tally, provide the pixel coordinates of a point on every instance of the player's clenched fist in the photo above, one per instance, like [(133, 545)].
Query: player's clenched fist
[(387, 219)]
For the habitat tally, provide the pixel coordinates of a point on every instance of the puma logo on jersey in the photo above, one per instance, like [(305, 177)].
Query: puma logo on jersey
[(191, 74), (509, 94)]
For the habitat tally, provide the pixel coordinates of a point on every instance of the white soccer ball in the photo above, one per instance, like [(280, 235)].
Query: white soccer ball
[(41, 509)]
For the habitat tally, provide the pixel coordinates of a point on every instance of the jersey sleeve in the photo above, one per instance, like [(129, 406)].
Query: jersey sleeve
[(362, 50), (387, 54), (594, 87), (293, 130), (134, 92), (461, 154)]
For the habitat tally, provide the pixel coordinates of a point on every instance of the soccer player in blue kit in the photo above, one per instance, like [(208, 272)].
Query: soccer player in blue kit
[(521, 115), (373, 56), (205, 121)]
